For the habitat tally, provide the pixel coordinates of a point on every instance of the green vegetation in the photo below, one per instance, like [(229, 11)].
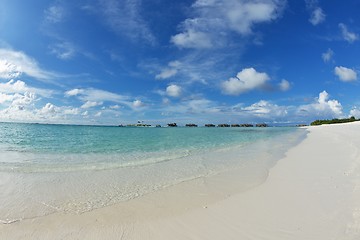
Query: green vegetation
[(332, 121)]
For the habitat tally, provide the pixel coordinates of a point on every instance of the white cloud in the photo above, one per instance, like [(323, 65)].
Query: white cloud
[(137, 104), (328, 55), (207, 111), (322, 108), (96, 95), (22, 101), (19, 86), (23, 108), (192, 39), (92, 97), (19, 63), (124, 18), (48, 109), (64, 50), (98, 114), (284, 85), (173, 90), (169, 71), (55, 14), (345, 74), (347, 35), (265, 109), (115, 107), (246, 80), (6, 98), (90, 104), (166, 73), (194, 67), (190, 106), (317, 16), (74, 92), (9, 70), (355, 112), (201, 106), (71, 111), (214, 19)]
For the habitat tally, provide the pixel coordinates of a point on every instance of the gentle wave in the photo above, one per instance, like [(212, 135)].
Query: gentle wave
[(38, 182)]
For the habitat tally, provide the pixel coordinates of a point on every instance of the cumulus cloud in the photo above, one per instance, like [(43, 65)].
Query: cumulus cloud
[(284, 85), (173, 90), (347, 35), (19, 86), (17, 102), (48, 109), (9, 70), (26, 108), (355, 112), (246, 80), (20, 102), (322, 108), (137, 104), (328, 55), (345, 74), (15, 63), (6, 98), (214, 19)]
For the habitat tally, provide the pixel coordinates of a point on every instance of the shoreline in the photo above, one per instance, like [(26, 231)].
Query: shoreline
[(311, 193)]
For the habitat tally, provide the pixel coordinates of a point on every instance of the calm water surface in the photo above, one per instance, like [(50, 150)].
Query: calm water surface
[(51, 168)]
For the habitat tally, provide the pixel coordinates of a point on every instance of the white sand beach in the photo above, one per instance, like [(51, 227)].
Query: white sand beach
[(313, 193)]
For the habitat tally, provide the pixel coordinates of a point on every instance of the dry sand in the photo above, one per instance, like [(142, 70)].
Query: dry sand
[(312, 193)]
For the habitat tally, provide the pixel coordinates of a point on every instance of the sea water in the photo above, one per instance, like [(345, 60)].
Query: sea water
[(74, 169)]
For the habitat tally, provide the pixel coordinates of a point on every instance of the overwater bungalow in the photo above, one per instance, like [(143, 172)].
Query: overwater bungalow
[(191, 125), (209, 125), (223, 125)]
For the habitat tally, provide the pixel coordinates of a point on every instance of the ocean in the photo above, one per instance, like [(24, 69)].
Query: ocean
[(46, 169)]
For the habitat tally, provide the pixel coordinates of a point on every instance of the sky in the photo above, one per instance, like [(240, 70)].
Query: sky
[(187, 61)]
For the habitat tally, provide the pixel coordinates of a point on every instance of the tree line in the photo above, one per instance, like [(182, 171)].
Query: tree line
[(335, 120)]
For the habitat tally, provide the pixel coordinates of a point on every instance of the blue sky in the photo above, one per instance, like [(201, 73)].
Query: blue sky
[(160, 61)]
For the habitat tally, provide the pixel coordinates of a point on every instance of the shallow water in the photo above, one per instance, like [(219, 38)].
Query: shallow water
[(51, 168)]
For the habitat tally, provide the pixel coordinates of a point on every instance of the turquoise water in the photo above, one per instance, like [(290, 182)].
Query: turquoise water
[(73, 169), (65, 148)]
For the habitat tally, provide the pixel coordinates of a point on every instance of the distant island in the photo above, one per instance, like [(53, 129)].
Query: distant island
[(333, 121)]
